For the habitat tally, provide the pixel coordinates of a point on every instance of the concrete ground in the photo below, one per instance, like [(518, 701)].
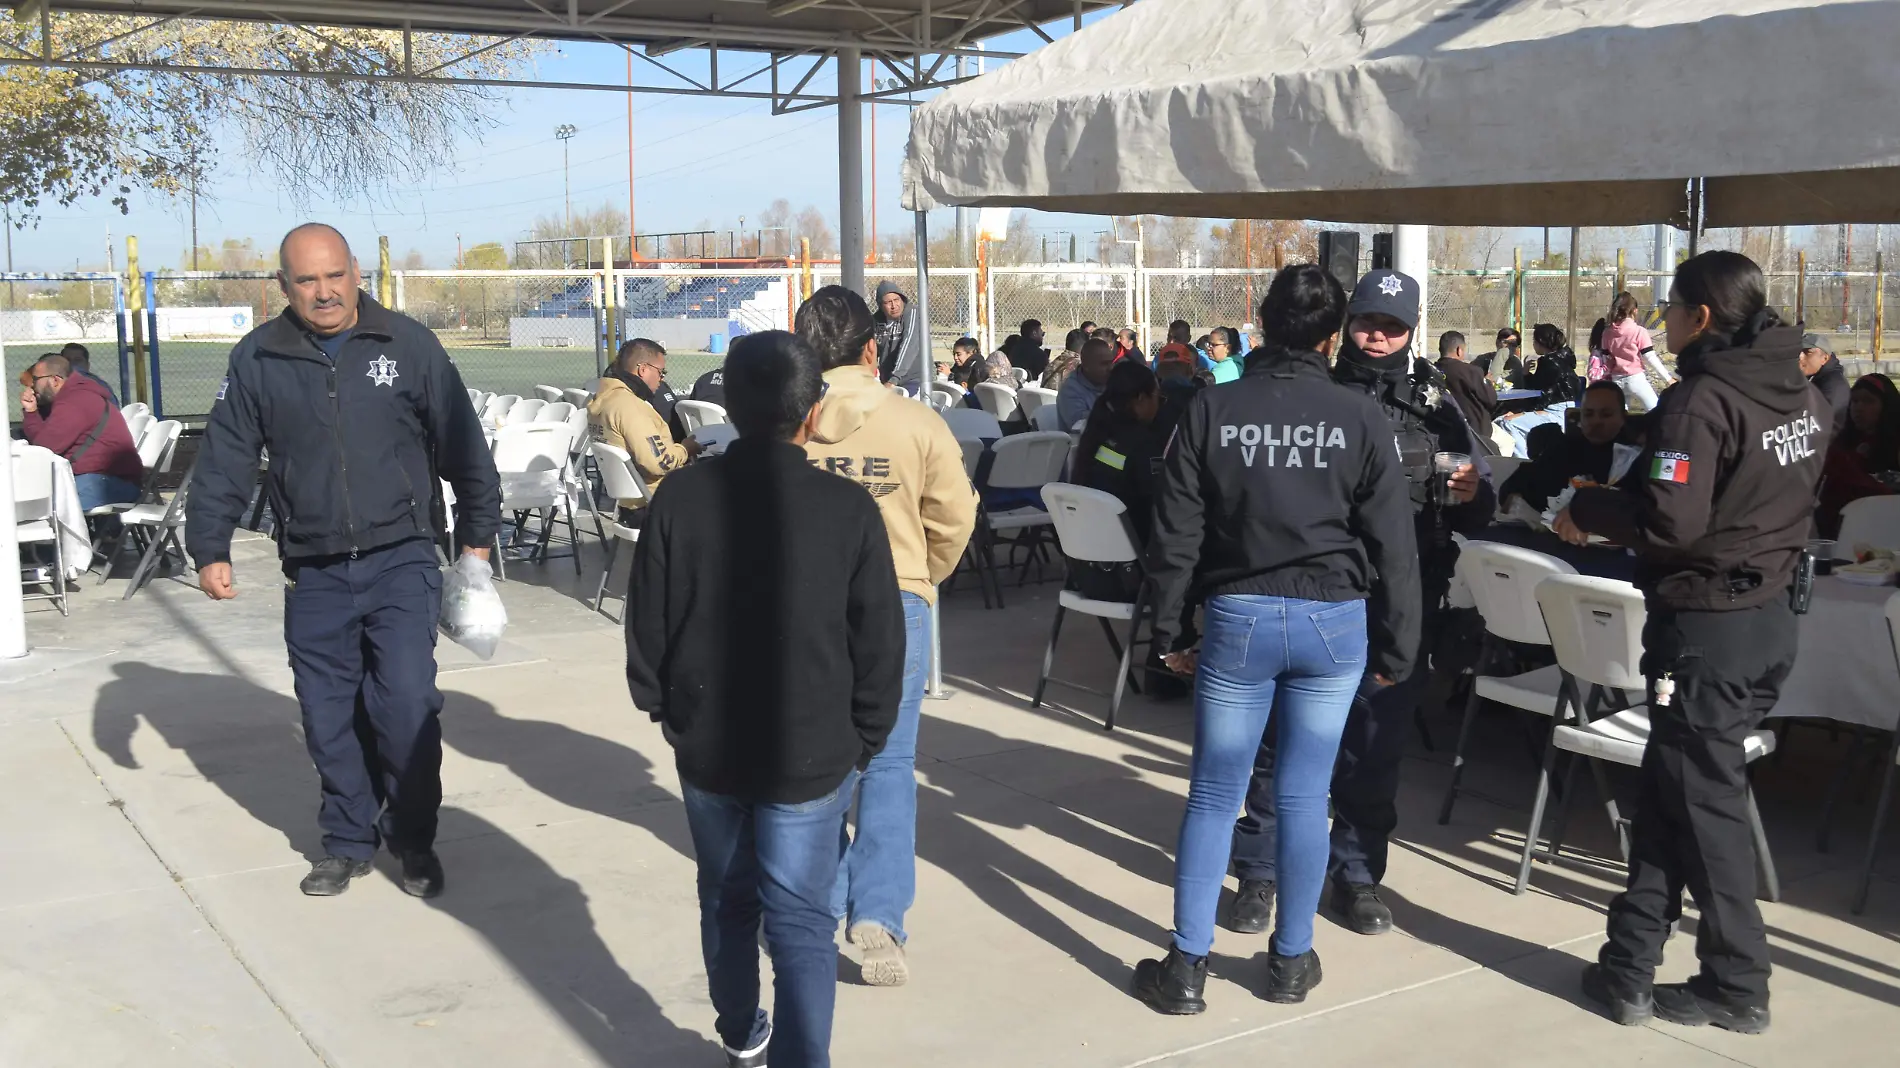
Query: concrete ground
[(158, 809)]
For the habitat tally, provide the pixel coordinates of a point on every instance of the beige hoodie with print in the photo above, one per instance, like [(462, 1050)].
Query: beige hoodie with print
[(906, 456)]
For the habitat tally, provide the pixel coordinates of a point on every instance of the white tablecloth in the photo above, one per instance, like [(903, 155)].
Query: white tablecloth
[(73, 540), (1845, 670)]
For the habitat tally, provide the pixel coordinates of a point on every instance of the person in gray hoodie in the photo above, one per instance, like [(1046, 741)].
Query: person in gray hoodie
[(900, 339)]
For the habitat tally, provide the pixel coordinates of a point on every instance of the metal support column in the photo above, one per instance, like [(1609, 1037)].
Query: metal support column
[(850, 170), (1412, 254), (12, 609), (934, 686), (1662, 261)]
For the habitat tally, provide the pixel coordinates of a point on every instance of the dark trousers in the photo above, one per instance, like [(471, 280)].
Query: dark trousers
[(1365, 789), (779, 864), (361, 634), (1691, 827)]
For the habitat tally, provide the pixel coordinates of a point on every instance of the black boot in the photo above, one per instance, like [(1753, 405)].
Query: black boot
[(1289, 978), (331, 875), (1253, 907), (1630, 1010), (421, 872), (1680, 1004), (1171, 984), (1360, 909)]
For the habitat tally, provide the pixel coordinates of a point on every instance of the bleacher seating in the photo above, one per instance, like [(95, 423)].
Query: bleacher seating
[(657, 297)]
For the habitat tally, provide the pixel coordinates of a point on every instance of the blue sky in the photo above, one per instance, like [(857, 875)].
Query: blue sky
[(696, 161)]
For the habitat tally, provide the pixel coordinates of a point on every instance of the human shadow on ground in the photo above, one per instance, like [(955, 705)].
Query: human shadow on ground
[(957, 832), (578, 769), (246, 740)]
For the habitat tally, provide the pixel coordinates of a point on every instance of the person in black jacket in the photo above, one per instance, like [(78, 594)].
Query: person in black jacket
[(1376, 361), (361, 411), (1718, 522), (1502, 365), (775, 683), (1590, 452), (1282, 499), (1826, 374), (1555, 375)]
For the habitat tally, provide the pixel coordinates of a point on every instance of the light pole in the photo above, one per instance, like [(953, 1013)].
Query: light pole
[(565, 132)]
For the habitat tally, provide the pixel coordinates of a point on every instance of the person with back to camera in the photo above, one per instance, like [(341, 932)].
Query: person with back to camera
[(1376, 360), (1282, 499), (1718, 521)]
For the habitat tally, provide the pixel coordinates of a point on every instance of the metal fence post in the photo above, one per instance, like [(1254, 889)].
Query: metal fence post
[(385, 291), (151, 312), (125, 353), (402, 294), (1880, 303), (1570, 317), (1621, 283), (1517, 291), (136, 298), (1801, 287)]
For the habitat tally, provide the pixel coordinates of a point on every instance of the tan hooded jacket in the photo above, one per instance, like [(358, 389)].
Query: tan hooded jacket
[(621, 418), (906, 456)]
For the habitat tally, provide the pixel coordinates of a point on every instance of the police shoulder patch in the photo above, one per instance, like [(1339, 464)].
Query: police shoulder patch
[(224, 387)]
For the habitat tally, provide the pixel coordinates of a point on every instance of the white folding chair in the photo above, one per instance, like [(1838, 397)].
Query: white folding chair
[(1047, 418), (1503, 582), (972, 455), (1092, 526), (135, 408), (577, 397), (622, 482), (1020, 462), (968, 423), (496, 407), (554, 412), (695, 414), (533, 460), (475, 397), (715, 437), (1021, 375), (1886, 776), (1871, 521), (1032, 400), (548, 393), (1596, 630), (997, 399), (154, 525), (136, 422), (522, 412), (946, 395), (36, 517)]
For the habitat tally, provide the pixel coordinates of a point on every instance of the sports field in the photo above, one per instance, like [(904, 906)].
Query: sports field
[(189, 371)]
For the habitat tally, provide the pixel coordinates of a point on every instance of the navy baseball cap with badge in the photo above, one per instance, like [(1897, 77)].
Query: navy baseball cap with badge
[(1386, 292)]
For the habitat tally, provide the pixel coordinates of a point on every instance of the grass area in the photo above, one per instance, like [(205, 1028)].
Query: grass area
[(189, 371)]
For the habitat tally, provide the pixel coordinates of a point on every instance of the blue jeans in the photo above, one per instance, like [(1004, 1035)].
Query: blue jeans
[(1311, 654), (877, 878), (777, 862), (1520, 426), (97, 490)]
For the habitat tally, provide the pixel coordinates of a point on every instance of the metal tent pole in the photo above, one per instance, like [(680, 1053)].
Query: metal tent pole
[(850, 170), (934, 688)]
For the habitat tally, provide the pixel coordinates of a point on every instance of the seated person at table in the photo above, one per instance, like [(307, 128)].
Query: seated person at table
[(1078, 395), (1868, 446), (1555, 375), (81, 358), (966, 369), (1467, 386), (623, 414), (1224, 354), (1587, 453), (1122, 444), (72, 415), (1180, 343), (1502, 365), (709, 388), (1062, 364)]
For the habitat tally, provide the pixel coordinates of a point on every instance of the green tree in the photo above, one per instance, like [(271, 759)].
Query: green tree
[(66, 135), (487, 256)]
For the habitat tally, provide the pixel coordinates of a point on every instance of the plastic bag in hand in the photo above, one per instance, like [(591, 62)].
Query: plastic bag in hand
[(472, 613)]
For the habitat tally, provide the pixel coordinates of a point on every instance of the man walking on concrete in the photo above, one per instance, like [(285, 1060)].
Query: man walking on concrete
[(360, 410), (905, 455)]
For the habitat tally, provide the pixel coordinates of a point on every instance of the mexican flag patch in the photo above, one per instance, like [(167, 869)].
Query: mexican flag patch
[(1671, 467)]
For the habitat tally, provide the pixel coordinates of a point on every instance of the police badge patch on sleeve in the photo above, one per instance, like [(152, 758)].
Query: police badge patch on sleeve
[(1670, 467), (223, 386)]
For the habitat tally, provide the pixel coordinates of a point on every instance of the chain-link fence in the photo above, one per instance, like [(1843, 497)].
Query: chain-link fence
[(1061, 297), (1204, 299), (508, 331), (41, 313)]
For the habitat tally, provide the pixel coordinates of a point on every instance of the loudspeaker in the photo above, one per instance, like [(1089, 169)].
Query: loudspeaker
[(1382, 251), (1339, 253)]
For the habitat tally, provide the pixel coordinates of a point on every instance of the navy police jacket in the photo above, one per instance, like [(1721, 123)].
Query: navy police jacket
[(356, 445), (1287, 484)]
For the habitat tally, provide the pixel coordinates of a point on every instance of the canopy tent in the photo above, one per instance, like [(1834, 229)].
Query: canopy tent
[(1481, 112)]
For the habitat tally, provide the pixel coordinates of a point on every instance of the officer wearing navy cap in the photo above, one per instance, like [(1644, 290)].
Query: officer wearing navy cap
[(1377, 358)]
